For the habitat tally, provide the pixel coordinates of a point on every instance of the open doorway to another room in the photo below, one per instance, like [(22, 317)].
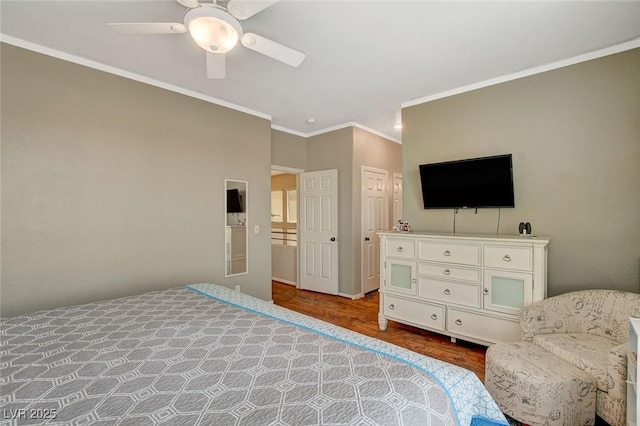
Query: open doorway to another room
[(284, 227)]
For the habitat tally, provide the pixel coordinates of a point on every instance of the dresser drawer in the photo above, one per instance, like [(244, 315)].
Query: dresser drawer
[(447, 271), (414, 312), (481, 326), (461, 253), (449, 292), (398, 247), (508, 257)]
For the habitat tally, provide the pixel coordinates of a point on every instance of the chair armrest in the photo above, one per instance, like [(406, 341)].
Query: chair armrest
[(617, 371)]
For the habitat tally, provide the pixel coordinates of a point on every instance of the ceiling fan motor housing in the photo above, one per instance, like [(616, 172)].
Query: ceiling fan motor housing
[(213, 28)]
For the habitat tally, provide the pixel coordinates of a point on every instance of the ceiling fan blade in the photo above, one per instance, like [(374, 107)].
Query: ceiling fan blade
[(244, 9), (216, 65), (272, 49), (149, 28), (189, 3)]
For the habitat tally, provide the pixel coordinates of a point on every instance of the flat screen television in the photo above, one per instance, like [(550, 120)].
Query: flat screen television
[(234, 201), (469, 183)]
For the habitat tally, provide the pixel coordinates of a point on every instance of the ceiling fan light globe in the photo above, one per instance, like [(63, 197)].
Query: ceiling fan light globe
[(211, 25), (210, 31)]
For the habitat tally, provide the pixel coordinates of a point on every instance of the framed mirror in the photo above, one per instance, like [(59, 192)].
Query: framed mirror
[(235, 207)]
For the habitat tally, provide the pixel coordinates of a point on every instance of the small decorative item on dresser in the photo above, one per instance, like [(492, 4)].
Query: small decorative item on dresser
[(402, 226), (524, 229)]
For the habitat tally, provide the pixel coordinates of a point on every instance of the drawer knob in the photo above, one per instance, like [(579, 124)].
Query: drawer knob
[(392, 306), (446, 272), (447, 291), (434, 317), (506, 258), (447, 253), (458, 322), (400, 249)]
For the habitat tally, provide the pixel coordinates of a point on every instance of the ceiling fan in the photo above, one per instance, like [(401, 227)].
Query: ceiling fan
[(217, 30)]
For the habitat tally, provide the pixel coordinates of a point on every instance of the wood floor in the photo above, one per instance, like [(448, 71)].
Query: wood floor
[(361, 315)]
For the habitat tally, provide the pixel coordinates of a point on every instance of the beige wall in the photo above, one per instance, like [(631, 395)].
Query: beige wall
[(334, 150), (347, 150), (112, 187), (380, 153), (575, 140), (288, 150)]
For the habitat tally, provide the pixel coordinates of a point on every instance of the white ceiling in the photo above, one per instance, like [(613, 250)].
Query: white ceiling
[(364, 59)]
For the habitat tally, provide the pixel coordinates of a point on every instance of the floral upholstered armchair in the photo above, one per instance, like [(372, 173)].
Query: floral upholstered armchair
[(590, 329)]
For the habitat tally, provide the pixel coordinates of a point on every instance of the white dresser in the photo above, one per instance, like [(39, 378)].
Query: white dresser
[(465, 286)]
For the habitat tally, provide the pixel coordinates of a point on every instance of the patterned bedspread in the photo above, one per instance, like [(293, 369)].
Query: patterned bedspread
[(207, 355)]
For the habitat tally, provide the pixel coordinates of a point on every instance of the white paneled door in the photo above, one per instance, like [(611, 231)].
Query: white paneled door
[(318, 231), (374, 219)]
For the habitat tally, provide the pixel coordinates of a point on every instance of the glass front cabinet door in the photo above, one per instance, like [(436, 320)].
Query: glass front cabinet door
[(400, 276), (507, 291)]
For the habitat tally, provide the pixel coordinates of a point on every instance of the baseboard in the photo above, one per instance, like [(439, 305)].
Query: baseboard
[(280, 280), (351, 296), (348, 296)]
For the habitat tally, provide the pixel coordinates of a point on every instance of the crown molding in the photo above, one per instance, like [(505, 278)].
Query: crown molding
[(334, 128), (377, 133), (286, 130)]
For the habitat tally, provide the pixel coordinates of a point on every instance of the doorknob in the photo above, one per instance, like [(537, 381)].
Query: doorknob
[(366, 238), (333, 238)]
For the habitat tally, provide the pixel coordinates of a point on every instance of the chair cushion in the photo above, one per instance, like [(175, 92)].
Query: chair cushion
[(536, 387), (585, 351)]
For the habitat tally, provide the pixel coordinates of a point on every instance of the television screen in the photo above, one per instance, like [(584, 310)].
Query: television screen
[(470, 183), (234, 201)]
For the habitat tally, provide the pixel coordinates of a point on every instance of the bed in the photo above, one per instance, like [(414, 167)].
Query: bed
[(205, 354)]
